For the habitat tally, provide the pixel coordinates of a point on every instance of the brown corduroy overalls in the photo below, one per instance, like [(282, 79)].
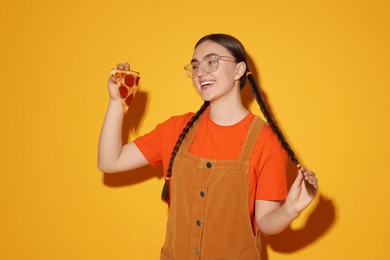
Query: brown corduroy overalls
[(209, 212)]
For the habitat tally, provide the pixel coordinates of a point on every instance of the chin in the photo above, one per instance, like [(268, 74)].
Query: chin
[(206, 96)]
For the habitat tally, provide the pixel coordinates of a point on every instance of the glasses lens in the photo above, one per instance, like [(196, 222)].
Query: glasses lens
[(211, 64), (188, 68)]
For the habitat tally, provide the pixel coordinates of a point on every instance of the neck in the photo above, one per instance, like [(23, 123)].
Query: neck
[(227, 113)]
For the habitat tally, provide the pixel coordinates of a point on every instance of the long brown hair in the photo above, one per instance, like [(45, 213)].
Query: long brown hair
[(237, 50)]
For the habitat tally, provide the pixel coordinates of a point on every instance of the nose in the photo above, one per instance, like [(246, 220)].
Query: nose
[(200, 71)]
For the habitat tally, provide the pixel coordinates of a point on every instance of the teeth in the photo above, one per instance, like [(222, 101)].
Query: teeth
[(206, 83)]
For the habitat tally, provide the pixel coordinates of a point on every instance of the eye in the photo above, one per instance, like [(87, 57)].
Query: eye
[(194, 66), (212, 60)]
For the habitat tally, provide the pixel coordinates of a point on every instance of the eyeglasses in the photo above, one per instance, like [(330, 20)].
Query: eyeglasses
[(208, 64)]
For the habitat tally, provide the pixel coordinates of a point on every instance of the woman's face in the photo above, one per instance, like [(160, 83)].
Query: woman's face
[(224, 81)]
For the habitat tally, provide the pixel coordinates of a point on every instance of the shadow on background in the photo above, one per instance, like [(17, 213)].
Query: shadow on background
[(131, 123), (321, 219), (133, 119)]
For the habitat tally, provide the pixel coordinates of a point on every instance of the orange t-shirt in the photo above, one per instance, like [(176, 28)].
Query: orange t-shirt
[(267, 176)]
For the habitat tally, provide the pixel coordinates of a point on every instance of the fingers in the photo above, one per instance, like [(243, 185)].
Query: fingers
[(298, 180), (309, 176), (111, 80), (301, 168), (124, 66)]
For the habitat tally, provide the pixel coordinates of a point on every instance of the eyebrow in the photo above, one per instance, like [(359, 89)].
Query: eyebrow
[(206, 56)]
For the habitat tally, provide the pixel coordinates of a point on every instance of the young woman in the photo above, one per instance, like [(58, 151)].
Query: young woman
[(224, 167)]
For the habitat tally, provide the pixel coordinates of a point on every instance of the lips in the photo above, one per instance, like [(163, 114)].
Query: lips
[(206, 84)]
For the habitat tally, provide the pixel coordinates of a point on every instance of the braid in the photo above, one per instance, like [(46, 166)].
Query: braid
[(165, 191), (264, 109)]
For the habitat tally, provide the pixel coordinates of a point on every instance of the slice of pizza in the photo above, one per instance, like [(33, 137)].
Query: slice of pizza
[(127, 81)]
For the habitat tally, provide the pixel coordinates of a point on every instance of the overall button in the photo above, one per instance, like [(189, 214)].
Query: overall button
[(196, 251), (202, 194), (198, 223), (209, 165)]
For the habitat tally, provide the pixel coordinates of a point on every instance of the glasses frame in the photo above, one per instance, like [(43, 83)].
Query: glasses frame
[(189, 71)]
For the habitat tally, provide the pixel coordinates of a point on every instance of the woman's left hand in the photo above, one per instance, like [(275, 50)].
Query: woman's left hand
[(302, 191)]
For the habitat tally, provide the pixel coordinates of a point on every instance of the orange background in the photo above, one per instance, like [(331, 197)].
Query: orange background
[(324, 67)]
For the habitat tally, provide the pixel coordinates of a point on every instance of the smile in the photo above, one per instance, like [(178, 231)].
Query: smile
[(206, 84)]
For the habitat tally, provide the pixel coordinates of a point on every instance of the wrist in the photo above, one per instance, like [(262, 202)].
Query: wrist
[(115, 102), (114, 99), (290, 211)]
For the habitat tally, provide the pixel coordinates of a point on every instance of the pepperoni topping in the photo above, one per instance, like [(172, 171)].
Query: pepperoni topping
[(123, 92), (136, 81), (129, 100), (129, 80)]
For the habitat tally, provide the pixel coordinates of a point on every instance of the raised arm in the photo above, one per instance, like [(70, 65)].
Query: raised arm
[(273, 218), (112, 155)]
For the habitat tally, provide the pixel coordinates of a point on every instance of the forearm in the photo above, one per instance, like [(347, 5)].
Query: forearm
[(277, 220), (110, 142)]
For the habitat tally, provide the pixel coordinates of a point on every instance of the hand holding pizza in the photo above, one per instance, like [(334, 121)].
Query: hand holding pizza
[(123, 85)]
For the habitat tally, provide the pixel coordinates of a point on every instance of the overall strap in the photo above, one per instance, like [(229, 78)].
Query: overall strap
[(185, 146), (251, 138)]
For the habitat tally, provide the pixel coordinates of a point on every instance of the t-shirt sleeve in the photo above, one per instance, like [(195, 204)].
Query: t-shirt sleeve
[(158, 144), (150, 145), (271, 175)]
